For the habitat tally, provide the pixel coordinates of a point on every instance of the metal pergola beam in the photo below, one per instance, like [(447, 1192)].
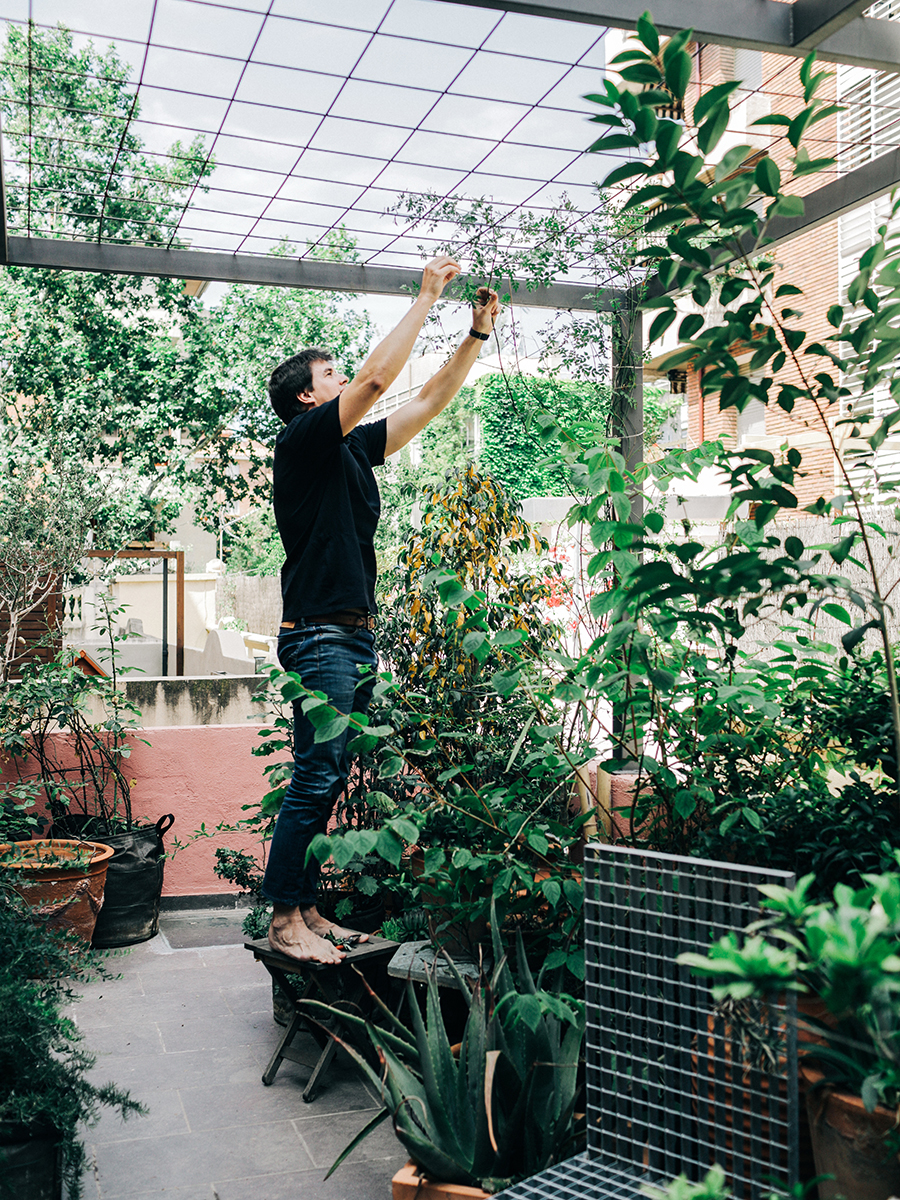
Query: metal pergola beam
[(272, 270), (769, 25), (823, 205), (816, 20)]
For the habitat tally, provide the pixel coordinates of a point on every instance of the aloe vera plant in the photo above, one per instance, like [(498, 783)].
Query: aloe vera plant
[(499, 1109)]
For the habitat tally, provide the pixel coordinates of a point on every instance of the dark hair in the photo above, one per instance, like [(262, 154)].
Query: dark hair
[(292, 377)]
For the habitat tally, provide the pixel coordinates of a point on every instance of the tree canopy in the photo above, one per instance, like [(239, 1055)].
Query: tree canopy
[(130, 370)]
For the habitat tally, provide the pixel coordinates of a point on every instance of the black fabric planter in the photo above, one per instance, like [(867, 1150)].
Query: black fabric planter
[(134, 879), (29, 1163)]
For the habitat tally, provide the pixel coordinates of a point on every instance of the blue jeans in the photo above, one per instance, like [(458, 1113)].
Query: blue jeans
[(328, 659)]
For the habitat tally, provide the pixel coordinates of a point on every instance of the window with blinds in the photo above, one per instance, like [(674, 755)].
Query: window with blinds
[(869, 126)]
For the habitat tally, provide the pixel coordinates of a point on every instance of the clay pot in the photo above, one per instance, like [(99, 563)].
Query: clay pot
[(850, 1144), (410, 1184), (62, 880)]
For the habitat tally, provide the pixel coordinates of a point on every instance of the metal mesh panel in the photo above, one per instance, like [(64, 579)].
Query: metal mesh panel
[(584, 1178), (673, 1082)]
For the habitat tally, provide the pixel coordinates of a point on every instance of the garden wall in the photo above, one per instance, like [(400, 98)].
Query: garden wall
[(202, 774), (253, 600)]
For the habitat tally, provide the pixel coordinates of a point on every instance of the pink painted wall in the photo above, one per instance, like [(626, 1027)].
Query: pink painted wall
[(203, 774)]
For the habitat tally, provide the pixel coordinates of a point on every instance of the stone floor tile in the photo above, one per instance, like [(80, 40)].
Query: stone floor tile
[(138, 1037), (165, 1118), (214, 1033), (232, 1067), (249, 997), (352, 1181), (145, 1010), (196, 1159), (213, 1107), (326, 1140)]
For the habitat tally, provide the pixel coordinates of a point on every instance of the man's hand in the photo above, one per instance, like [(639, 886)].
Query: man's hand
[(485, 311), (437, 275)]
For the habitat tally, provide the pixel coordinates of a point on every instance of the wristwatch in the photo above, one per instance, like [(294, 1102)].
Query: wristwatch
[(482, 337)]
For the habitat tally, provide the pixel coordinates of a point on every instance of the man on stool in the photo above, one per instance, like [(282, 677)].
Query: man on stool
[(327, 507)]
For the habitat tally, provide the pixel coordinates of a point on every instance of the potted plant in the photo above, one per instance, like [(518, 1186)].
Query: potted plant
[(847, 955), (496, 1108), (63, 880), (46, 1096), (64, 739)]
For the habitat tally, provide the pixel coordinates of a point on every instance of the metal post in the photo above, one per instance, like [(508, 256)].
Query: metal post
[(179, 613), (165, 618), (627, 420), (628, 393)]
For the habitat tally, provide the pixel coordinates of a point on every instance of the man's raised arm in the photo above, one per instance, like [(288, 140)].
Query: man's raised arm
[(406, 422), (390, 356)]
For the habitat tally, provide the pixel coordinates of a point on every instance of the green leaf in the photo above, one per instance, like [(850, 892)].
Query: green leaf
[(620, 174), (689, 326), (616, 141), (661, 324), (654, 521), (678, 73), (646, 32), (453, 594), (787, 206), (716, 95), (332, 729), (503, 682), (473, 641), (852, 639), (685, 804), (838, 612), (641, 72), (794, 547), (710, 132), (390, 766), (767, 176), (510, 637), (835, 316), (841, 549)]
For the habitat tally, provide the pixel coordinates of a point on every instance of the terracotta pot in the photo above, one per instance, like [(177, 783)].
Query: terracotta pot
[(707, 1086), (61, 880), (410, 1184), (458, 939), (849, 1143)]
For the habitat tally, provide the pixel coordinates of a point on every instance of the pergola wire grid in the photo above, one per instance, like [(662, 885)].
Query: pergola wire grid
[(403, 97)]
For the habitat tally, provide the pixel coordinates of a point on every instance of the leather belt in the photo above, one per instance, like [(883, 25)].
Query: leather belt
[(352, 619)]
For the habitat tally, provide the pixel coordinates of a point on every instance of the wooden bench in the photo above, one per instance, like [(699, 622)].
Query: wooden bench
[(328, 982)]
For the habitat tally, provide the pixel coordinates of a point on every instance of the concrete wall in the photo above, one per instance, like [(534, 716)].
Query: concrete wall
[(202, 700), (143, 595), (254, 600)]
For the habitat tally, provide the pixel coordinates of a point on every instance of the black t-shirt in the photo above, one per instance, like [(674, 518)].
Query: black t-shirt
[(327, 507)]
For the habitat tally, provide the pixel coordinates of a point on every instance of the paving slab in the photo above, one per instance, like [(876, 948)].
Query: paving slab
[(189, 1029)]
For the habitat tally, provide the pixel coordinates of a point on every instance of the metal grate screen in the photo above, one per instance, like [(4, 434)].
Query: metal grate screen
[(674, 1083)]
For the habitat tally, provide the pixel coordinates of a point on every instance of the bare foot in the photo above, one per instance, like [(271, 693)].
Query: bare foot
[(317, 924), (290, 935)]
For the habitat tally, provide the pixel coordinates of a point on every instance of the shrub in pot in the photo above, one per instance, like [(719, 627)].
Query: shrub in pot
[(45, 1095), (847, 954), (81, 781), (499, 1107)]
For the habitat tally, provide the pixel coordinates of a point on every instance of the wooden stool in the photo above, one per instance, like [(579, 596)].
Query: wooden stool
[(319, 981)]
